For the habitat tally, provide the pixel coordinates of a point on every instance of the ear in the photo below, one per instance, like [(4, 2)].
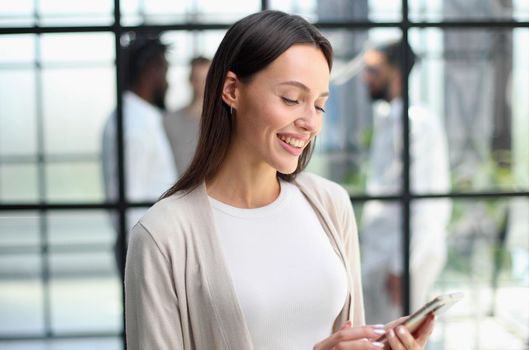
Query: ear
[(230, 91)]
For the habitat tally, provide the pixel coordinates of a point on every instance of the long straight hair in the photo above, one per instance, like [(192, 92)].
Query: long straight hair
[(248, 47)]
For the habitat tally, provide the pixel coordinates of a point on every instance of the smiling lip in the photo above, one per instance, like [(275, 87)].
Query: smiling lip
[(296, 149)]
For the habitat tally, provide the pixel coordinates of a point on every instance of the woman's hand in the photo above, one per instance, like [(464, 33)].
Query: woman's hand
[(353, 338), (399, 338)]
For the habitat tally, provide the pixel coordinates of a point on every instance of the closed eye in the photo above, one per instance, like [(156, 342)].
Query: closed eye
[(289, 101), (320, 109)]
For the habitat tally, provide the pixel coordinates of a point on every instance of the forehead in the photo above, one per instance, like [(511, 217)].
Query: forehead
[(200, 66), (374, 58), (301, 62)]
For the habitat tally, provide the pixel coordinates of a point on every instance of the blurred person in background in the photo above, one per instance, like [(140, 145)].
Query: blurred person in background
[(182, 126), (381, 238), (149, 167)]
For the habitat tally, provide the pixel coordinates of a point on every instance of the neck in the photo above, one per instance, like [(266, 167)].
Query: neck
[(393, 95), (144, 93), (244, 183), (194, 109)]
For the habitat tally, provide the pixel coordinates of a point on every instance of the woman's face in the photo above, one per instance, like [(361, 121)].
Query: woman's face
[(281, 109)]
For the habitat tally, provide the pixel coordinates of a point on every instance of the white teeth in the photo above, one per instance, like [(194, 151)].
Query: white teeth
[(292, 141)]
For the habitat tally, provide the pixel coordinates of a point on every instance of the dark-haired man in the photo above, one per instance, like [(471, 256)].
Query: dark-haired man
[(382, 263), (149, 168)]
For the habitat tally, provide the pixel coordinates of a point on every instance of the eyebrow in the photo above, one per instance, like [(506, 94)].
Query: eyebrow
[(301, 86)]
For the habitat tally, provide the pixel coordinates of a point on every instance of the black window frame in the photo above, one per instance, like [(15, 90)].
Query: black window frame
[(405, 197)]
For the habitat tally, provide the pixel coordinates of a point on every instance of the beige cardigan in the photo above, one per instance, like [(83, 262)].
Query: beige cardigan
[(178, 292)]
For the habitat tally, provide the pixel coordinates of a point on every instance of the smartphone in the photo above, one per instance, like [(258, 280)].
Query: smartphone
[(437, 306)]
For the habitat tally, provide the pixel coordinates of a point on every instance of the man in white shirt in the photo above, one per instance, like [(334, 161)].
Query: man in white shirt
[(149, 167), (381, 234)]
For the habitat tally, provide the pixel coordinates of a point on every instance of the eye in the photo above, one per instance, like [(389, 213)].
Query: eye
[(289, 101), (320, 109)]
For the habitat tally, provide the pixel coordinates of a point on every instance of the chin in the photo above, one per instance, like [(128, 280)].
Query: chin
[(287, 169)]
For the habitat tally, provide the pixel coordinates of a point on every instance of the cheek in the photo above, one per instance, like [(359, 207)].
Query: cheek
[(265, 116), (276, 116), (319, 125)]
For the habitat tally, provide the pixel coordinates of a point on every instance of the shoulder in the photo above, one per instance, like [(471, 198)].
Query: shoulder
[(140, 116), (170, 219), (168, 211), (320, 185), (109, 128), (329, 194), (175, 122), (179, 113)]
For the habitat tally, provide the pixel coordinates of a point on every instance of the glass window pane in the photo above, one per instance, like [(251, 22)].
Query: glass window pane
[(18, 183), (74, 117), (85, 287), (107, 343), (73, 125), (21, 295), (380, 233), (472, 83), (348, 150), (76, 228), (17, 49), (56, 12), (437, 10), (487, 258), (135, 12), (341, 10), (66, 12), (19, 265), (85, 261), (16, 13), (19, 229), (69, 48), (86, 300), (18, 135), (183, 46), (77, 181)]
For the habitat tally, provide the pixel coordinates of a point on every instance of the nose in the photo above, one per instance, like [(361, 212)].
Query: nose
[(310, 121)]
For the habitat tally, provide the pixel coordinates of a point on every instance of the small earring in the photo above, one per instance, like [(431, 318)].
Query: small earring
[(231, 110)]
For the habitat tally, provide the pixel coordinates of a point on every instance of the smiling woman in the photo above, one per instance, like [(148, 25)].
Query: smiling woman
[(246, 251)]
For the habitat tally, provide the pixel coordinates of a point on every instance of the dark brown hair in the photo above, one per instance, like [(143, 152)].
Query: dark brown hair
[(142, 51), (249, 46)]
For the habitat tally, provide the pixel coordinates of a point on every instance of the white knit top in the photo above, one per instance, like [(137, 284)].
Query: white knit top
[(302, 284)]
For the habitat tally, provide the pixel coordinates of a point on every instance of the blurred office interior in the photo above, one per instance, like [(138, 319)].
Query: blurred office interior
[(59, 72)]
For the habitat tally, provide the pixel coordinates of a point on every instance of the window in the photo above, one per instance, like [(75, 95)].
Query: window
[(60, 70)]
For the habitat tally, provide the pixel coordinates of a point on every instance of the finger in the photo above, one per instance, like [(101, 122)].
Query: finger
[(369, 331), (406, 338), (350, 334), (396, 322), (394, 341), (425, 331), (362, 344), (347, 324)]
